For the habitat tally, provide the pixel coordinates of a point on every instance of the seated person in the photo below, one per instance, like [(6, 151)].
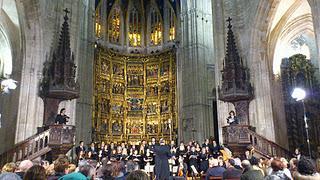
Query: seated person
[(214, 169)]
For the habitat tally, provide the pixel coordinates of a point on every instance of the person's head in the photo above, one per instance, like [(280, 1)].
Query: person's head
[(214, 143), (9, 176), (276, 165), (61, 165), (297, 151), (254, 161), (162, 142), (63, 111), (87, 170), (137, 175), (71, 168), (232, 113), (245, 164), (135, 152), (284, 162), (206, 141), (92, 145), (25, 165), (230, 163), (306, 166), (247, 153), (36, 172), (293, 164), (106, 171), (116, 168), (193, 149), (9, 167), (131, 166), (124, 151), (213, 162), (153, 141), (81, 143)]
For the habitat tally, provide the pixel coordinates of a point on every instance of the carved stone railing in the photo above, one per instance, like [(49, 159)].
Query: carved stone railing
[(58, 139), (239, 137)]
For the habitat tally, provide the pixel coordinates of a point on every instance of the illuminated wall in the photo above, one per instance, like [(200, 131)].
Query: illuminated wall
[(135, 96)]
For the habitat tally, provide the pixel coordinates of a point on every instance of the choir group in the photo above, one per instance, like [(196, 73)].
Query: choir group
[(191, 158)]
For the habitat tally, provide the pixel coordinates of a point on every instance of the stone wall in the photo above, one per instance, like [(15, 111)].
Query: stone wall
[(40, 23)]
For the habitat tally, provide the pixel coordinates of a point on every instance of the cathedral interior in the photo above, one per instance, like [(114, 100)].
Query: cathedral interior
[(127, 70)]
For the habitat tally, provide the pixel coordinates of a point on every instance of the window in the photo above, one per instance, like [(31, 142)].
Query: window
[(114, 25), (134, 33), (172, 23), (156, 27), (98, 22)]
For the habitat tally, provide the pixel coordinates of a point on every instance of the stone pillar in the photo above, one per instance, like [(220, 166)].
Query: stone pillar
[(194, 57), (315, 10)]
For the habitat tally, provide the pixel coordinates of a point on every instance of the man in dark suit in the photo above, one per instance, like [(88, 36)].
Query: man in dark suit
[(162, 154), (249, 173), (80, 148), (231, 171)]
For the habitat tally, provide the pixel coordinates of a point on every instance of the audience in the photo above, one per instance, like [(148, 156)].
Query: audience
[(249, 173), (23, 167), (36, 172), (277, 171), (138, 175), (214, 169), (136, 161), (231, 171), (306, 170), (9, 167)]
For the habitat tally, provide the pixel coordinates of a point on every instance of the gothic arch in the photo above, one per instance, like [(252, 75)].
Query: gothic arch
[(116, 14), (154, 25)]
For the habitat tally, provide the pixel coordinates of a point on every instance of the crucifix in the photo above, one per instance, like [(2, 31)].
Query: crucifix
[(229, 21), (66, 11)]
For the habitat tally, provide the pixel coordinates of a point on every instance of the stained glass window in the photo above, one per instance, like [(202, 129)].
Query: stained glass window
[(156, 27), (172, 24), (114, 25), (134, 33), (98, 22)]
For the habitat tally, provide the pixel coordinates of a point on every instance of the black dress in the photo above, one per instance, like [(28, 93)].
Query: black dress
[(61, 119), (193, 160), (204, 164)]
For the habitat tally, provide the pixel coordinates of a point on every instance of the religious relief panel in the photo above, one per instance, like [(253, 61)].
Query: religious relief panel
[(135, 75), (134, 96)]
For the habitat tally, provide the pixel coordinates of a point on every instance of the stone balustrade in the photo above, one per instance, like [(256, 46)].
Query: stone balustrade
[(57, 138)]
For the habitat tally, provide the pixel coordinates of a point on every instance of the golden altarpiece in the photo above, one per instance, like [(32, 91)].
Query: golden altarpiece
[(134, 96)]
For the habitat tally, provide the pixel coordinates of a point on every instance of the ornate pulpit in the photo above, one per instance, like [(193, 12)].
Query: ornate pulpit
[(59, 76), (236, 87)]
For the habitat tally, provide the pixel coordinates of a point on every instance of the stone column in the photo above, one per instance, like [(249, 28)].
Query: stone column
[(315, 10), (194, 55)]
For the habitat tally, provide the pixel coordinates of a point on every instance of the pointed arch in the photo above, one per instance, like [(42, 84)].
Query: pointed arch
[(114, 24), (172, 22), (155, 25), (135, 25)]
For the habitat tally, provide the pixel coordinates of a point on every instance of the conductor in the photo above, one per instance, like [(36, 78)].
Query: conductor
[(62, 117), (162, 154)]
